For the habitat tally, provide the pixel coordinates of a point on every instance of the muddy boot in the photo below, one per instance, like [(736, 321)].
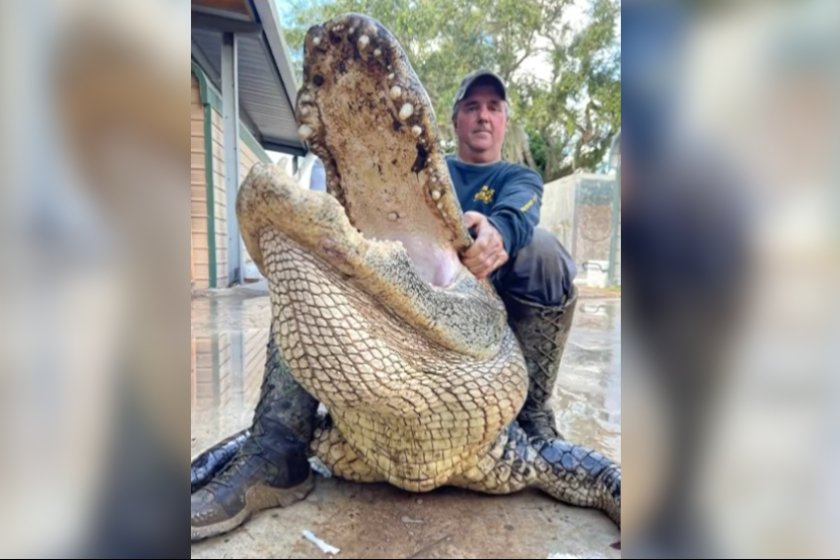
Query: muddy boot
[(542, 332), (271, 466), (206, 466)]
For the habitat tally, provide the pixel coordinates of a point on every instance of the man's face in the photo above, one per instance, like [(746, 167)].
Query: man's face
[(480, 124)]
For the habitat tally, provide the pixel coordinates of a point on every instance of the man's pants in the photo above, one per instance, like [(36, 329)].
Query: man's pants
[(541, 272)]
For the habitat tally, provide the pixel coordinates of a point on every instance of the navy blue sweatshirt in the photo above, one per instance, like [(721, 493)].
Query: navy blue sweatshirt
[(509, 195)]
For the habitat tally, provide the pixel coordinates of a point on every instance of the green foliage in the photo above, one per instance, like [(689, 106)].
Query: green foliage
[(563, 77), (538, 149)]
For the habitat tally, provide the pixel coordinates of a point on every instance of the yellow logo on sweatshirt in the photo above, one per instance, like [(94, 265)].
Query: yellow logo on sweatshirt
[(485, 195), (527, 205)]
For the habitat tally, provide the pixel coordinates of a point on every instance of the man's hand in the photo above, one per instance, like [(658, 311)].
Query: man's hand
[(487, 253)]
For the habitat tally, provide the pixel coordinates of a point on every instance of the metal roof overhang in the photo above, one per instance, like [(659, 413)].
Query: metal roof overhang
[(267, 86)]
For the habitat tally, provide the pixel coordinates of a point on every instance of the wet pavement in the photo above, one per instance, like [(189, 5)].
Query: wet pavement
[(229, 333)]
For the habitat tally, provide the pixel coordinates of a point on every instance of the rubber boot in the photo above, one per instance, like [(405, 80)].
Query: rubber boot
[(542, 333)]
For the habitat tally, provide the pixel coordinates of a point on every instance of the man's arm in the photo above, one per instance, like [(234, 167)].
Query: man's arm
[(517, 210), (508, 228)]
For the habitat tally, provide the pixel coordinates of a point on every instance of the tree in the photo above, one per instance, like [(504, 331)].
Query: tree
[(563, 78)]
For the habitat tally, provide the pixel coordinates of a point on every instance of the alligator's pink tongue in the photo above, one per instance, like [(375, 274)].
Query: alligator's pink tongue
[(436, 263), (366, 115)]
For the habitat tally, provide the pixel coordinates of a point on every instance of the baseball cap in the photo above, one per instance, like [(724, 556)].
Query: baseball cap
[(473, 77)]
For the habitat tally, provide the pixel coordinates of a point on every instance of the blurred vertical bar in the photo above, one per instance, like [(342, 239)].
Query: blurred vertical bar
[(730, 180), (615, 163), (94, 282)]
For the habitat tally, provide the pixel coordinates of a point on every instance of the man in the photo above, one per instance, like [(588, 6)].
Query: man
[(530, 269)]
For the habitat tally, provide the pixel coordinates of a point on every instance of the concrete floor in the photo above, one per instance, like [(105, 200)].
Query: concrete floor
[(380, 521)]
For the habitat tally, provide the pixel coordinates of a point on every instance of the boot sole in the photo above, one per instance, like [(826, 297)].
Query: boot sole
[(256, 499)]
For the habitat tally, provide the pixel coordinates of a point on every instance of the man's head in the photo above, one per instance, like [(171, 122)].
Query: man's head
[(480, 117)]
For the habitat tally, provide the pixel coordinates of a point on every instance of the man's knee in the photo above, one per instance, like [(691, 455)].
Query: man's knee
[(541, 272)]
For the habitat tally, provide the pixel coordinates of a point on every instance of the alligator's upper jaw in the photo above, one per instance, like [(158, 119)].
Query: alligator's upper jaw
[(366, 115)]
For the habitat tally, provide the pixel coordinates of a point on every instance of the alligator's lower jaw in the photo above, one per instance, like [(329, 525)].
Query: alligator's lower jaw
[(316, 221), (465, 316)]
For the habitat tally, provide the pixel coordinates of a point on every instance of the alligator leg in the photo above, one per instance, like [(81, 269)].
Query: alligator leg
[(329, 445), (570, 473)]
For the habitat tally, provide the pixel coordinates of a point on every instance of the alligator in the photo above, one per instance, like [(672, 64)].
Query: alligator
[(373, 311)]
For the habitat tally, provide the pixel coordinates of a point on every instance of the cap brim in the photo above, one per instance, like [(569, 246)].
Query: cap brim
[(487, 77)]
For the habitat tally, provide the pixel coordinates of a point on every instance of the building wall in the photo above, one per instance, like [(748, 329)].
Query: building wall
[(578, 209), (592, 241), (558, 209), (249, 154)]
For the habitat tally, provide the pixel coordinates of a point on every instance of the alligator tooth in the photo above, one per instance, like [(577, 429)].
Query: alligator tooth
[(304, 110), (305, 131), (396, 92), (406, 111), (436, 195), (416, 130), (316, 41), (377, 52), (363, 42), (391, 76)]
